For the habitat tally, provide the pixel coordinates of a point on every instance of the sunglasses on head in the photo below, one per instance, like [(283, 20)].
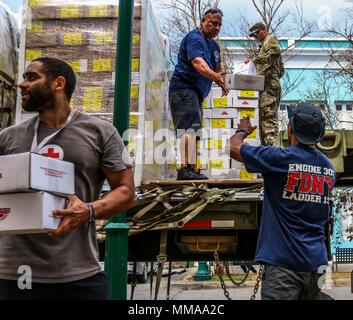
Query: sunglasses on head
[(214, 10), (255, 34)]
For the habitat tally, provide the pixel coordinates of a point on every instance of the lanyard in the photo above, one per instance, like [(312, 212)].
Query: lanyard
[(35, 147)]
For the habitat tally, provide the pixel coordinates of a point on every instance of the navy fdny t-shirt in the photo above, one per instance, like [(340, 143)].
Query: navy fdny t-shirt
[(185, 76), (297, 184)]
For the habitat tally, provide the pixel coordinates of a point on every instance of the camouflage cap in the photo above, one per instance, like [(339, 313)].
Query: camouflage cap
[(256, 27)]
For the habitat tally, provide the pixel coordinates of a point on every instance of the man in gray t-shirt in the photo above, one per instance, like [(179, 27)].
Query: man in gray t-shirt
[(67, 258)]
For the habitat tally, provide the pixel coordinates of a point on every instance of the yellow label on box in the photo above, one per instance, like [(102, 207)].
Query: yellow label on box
[(252, 135), (173, 166), (220, 102), (32, 54), (247, 94), (35, 26), (98, 11), (204, 104), (36, 3), (117, 11), (243, 174), (135, 38), (92, 99), (73, 38), (135, 64), (69, 12), (75, 65), (103, 38), (134, 92), (72, 101), (218, 123), (132, 145), (2, 62), (101, 65), (214, 143), (203, 123), (134, 119), (247, 112), (198, 164), (216, 163)]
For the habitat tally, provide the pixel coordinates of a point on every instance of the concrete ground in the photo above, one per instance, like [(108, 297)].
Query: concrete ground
[(184, 287)]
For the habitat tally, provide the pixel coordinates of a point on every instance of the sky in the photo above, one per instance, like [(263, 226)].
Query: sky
[(319, 11)]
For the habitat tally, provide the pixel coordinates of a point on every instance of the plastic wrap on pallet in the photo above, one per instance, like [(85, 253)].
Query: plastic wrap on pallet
[(84, 34), (9, 43)]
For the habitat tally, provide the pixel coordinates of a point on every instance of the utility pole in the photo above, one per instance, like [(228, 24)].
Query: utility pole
[(116, 251)]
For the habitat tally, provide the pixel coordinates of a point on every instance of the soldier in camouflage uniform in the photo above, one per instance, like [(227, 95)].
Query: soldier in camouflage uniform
[(269, 63)]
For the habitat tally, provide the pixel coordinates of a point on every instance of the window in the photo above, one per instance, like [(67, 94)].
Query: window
[(349, 107), (282, 107), (338, 107)]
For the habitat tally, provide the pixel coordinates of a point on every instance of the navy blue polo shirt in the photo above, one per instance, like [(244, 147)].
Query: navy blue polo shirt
[(185, 76), (297, 184)]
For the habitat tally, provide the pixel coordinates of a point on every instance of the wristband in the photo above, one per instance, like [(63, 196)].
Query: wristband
[(91, 213), (243, 130)]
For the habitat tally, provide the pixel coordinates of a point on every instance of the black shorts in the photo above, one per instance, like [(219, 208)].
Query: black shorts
[(186, 109), (285, 284)]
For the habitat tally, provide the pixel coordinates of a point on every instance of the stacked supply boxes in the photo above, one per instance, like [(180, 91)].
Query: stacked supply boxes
[(84, 34), (29, 186), (8, 66), (221, 119)]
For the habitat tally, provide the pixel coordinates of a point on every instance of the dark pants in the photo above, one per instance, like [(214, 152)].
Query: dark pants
[(284, 284), (95, 287), (186, 109)]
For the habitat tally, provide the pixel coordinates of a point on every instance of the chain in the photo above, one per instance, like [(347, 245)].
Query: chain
[(257, 283), (219, 272), (226, 264)]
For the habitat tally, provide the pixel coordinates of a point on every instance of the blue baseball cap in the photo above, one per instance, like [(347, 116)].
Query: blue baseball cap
[(308, 123)]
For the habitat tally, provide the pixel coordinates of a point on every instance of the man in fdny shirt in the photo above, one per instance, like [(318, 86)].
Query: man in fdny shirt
[(199, 63), (298, 181)]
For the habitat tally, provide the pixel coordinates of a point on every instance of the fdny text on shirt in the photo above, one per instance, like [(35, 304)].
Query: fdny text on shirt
[(307, 183)]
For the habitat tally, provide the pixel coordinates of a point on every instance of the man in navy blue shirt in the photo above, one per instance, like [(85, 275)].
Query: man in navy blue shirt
[(199, 63), (298, 182)]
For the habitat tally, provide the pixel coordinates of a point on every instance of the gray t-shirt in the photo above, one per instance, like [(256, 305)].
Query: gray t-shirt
[(92, 145)]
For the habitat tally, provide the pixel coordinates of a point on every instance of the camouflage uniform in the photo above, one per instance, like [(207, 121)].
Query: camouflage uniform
[(270, 64)]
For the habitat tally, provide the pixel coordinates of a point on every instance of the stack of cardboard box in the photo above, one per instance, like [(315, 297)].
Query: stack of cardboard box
[(221, 119), (84, 34), (30, 189)]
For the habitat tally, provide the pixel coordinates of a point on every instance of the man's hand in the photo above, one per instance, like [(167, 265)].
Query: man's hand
[(236, 141), (76, 213), (246, 124), (220, 81)]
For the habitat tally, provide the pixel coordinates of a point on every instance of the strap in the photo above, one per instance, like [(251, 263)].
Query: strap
[(35, 148), (161, 259)]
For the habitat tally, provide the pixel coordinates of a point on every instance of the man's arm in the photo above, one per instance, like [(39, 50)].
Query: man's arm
[(272, 49), (121, 198), (237, 140), (202, 67)]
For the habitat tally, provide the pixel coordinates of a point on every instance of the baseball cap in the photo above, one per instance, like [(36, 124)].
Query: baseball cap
[(256, 27), (214, 10), (307, 122)]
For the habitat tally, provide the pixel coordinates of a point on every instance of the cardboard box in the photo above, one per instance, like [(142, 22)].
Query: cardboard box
[(222, 102), (222, 133), (244, 112), (244, 175), (247, 94), (219, 163), (207, 113), (255, 134), (218, 123), (245, 68), (207, 103), (222, 174), (29, 212), (245, 82), (247, 103), (30, 171), (224, 113)]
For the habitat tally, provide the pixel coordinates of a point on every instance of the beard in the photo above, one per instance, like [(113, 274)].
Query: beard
[(39, 99)]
